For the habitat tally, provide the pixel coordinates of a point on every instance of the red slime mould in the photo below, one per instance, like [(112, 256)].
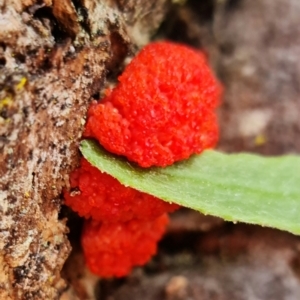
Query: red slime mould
[(103, 198), (112, 249), (162, 110)]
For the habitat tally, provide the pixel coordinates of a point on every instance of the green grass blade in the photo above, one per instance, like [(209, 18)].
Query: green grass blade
[(236, 187)]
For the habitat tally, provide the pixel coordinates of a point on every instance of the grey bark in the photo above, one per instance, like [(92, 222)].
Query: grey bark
[(54, 56)]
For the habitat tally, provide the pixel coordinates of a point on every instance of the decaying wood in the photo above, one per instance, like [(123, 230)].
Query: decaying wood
[(54, 56)]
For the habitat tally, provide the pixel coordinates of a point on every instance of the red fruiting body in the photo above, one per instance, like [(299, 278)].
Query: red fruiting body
[(112, 249), (162, 110), (104, 199)]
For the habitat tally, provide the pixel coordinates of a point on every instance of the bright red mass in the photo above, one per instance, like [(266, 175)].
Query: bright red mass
[(112, 249), (162, 110), (103, 198)]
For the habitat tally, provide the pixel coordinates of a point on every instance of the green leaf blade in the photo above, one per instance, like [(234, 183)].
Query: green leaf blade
[(236, 187)]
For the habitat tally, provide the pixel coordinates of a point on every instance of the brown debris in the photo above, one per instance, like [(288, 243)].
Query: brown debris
[(177, 288)]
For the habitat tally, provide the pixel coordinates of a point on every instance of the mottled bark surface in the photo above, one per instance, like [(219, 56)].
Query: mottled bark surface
[(54, 56)]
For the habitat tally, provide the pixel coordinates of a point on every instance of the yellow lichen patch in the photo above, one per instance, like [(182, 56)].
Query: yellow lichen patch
[(21, 84), (7, 101), (260, 140), (27, 194)]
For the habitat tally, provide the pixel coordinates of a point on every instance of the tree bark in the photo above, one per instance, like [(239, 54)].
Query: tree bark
[(54, 56)]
